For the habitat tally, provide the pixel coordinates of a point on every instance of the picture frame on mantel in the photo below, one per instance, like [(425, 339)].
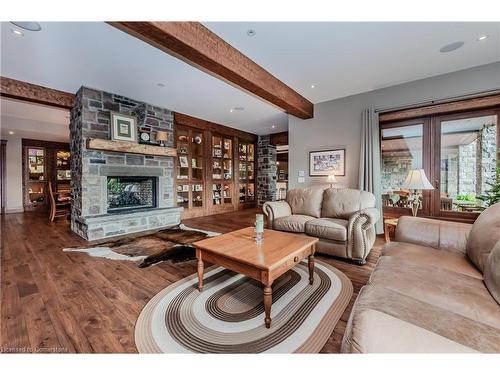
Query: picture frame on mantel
[(327, 162), (123, 127)]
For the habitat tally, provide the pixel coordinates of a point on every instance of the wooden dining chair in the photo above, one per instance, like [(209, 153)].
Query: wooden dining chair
[(59, 205)]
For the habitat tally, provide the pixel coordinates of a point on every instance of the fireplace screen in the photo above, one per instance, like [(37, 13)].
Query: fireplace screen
[(131, 193)]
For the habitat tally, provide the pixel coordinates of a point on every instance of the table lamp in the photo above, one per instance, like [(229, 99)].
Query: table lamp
[(415, 181), (161, 137), (331, 179)]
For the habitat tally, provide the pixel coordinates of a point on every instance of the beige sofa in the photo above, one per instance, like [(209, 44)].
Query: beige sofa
[(436, 289), (343, 219)]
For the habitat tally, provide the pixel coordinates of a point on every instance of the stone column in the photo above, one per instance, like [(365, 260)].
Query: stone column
[(267, 170)]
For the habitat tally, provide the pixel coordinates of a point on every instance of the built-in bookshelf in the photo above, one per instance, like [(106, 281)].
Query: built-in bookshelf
[(189, 167), (246, 172), (222, 170), (207, 180), (44, 162)]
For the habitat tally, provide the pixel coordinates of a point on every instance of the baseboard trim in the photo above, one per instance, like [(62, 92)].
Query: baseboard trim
[(14, 210)]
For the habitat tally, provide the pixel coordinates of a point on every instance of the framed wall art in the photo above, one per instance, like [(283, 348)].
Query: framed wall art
[(327, 162), (123, 128)]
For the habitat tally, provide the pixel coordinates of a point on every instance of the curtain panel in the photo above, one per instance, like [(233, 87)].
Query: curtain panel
[(369, 160)]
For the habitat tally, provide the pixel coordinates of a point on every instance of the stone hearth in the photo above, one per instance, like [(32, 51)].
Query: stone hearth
[(91, 217)]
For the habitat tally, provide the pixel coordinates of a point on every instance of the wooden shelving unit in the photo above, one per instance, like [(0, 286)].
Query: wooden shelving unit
[(44, 162), (246, 173), (217, 180), (190, 170)]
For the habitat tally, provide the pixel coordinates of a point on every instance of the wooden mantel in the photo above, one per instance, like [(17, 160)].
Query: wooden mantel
[(129, 147)]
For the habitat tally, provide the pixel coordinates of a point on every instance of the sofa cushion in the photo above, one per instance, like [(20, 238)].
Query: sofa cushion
[(378, 332), (492, 272), (464, 295), (342, 203), (292, 223), (306, 201), (484, 235), (332, 229), (455, 327), (429, 256)]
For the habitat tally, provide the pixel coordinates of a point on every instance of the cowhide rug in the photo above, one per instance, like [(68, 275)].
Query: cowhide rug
[(174, 244)]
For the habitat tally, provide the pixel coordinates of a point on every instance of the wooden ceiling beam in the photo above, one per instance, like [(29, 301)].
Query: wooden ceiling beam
[(198, 46), (14, 89)]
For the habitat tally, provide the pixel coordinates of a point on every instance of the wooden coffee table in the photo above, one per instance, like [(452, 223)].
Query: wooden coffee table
[(237, 251)]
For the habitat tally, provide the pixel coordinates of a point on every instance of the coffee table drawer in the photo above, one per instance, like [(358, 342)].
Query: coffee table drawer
[(292, 261)]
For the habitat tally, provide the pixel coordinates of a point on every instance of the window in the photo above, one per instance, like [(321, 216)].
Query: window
[(468, 150), (459, 154), (401, 151)]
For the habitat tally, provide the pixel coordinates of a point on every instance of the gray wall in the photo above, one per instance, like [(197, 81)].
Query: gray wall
[(337, 123)]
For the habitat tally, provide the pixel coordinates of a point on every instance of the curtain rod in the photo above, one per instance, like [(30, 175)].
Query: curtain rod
[(439, 101)]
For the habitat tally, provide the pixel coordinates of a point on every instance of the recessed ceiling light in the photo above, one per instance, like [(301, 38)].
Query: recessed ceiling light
[(482, 37), (11, 132), (237, 109), (313, 86), (17, 32), (160, 84), (451, 47), (251, 32), (30, 26), (273, 126)]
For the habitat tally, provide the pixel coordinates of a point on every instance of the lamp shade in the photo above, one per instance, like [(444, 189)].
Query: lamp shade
[(417, 180), (331, 178), (161, 136)]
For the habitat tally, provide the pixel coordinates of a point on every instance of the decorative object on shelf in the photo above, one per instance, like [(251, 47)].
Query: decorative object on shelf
[(259, 228), (416, 181), (144, 136), (217, 153), (331, 179), (197, 140), (324, 163), (161, 137), (183, 162), (123, 128), (181, 138)]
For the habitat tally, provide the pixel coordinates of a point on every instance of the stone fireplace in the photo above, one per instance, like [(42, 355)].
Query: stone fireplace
[(116, 193)]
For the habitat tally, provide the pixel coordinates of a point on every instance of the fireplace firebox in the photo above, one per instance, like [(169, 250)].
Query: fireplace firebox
[(131, 193)]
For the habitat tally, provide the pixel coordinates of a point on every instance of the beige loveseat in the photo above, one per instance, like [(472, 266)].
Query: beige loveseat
[(343, 219), (436, 289)]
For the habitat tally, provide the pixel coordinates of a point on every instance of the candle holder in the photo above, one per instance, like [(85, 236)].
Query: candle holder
[(259, 229)]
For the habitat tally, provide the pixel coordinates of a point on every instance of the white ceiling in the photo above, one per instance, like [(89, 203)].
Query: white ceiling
[(67, 55), (33, 121), (340, 59), (346, 58)]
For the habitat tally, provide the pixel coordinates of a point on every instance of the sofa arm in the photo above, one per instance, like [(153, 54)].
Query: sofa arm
[(361, 233), (439, 234), (275, 210)]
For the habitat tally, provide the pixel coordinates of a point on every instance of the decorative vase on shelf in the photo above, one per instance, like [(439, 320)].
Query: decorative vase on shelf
[(259, 228)]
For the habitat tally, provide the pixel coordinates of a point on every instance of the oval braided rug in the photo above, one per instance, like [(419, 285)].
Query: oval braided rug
[(228, 316)]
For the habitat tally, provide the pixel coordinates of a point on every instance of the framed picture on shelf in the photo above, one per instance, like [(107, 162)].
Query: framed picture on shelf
[(324, 163), (123, 128), (183, 162)]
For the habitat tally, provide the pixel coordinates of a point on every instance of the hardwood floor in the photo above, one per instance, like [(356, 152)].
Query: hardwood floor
[(52, 301)]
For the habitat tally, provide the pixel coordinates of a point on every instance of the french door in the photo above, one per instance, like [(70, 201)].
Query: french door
[(465, 159), (458, 153)]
